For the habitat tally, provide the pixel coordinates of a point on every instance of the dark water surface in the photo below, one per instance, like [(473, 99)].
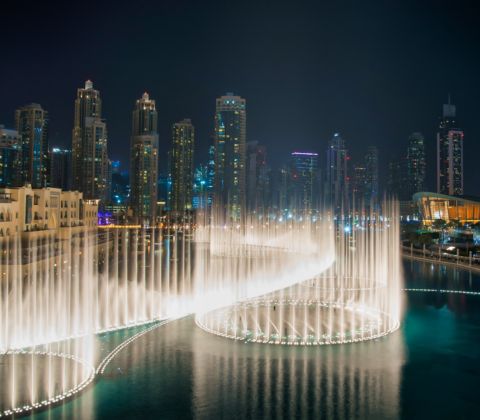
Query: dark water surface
[(429, 368)]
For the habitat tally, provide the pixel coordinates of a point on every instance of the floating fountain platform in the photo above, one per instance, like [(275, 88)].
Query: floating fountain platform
[(297, 321), (40, 379)]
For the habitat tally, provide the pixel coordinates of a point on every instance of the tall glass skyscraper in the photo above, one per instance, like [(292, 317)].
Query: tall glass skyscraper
[(60, 168), (257, 178), (89, 145), (359, 183), (304, 181), (144, 161), (371, 176), (32, 125), (416, 163), (337, 181), (10, 158), (449, 153), (397, 180), (230, 143), (183, 134)]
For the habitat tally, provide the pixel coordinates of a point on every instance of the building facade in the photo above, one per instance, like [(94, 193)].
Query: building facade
[(10, 158), (337, 180), (27, 209), (416, 163), (60, 168), (304, 182), (230, 143), (89, 145), (31, 123), (371, 176), (434, 206), (183, 139), (359, 183), (449, 153), (144, 161), (257, 178)]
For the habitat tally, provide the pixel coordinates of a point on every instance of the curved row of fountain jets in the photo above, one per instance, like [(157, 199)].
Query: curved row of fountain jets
[(291, 283)]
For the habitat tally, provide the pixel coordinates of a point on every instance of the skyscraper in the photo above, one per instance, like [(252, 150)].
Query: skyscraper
[(416, 163), (280, 182), (230, 142), (183, 134), (449, 153), (144, 161), (10, 158), (397, 180), (371, 176), (60, 168), (304, 181), (211, 174), (337, 181), (200, 192), (359, 182), (257, 177), (89, 145), (32, 125), (120, 184)]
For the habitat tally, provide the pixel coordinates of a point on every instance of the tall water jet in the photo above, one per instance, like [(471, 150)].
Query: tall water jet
[(357, 298), (59, 290)]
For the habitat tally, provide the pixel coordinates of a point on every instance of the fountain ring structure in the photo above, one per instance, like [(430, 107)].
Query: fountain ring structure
[(356, 298), (248, 282), (20, 405), (260, 321)]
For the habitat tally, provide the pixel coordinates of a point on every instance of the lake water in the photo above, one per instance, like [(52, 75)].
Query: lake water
[(429, 368)]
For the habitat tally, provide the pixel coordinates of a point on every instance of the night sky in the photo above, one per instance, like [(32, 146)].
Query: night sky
[(374, 71)]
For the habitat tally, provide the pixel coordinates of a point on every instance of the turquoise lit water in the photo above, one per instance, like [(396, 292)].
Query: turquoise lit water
[(430, 368)]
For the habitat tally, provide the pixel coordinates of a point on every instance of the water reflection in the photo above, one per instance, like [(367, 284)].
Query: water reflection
[(252, 380), (428, 369)]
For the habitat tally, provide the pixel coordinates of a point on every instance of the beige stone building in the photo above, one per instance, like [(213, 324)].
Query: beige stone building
[(27, 209)]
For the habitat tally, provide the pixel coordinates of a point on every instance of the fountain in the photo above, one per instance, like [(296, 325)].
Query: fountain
[(357, 298), (278, 281)]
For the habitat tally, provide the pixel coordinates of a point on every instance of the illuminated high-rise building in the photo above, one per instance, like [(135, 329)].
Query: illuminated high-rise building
[(10, 158), (397, 180), (371, 176), (183, 135), (304, 181), (89, 145), (120, 184), (416, 163), (359, 182), (337, 180), (280, 182), (257, 177), (211, 173), (449, 153), (200, 192), (32, 125), (144, 161), (230, 143), (60, 168)]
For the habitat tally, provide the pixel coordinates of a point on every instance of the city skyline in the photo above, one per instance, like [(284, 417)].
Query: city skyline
[(431, 150), (238, 184), (386, 94)]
